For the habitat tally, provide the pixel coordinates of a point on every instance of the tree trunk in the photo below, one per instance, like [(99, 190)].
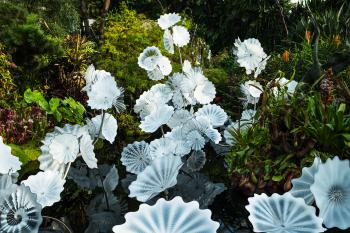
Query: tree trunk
[(106, 4), (84, 18)]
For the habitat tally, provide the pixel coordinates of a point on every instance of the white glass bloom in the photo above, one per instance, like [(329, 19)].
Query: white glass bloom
[(87, 151), (252, 90), (173, 216), (187, 67), (155, 74), (229, 138), (301, 185), (156, 178), (196, 87), (6, 186), (8, 162), (179, 118), (161, 93), (195, 140), (178, 141), (136, 157), (157, 118), (105, 93), (149, 58), (168, 20), (216, 115), (164, 65), (250, 55), (248, 115), (284, 83), (20, 212), (162, 147), (47, 186), (168, 41), (60, 147), (90, 77), (181, 36), (282, 213), (331, 190), (109, 127)]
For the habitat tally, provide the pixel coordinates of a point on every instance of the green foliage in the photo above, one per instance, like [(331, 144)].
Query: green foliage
[(126, 35), (328, 125), (8, 91), (66, 109), (28, 43), (26, 153)]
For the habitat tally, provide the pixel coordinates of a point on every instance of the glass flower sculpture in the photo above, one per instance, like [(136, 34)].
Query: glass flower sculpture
[(136, 157), (62, 146), (157, 118), (301, 185), (173, 216), (6, 186), (282, 213), (20, 212), (102, 90), (168, 20), (216, 115), (8, 162), (156, 65), (109, 127), (331, 190), (181, 36), (156, 178), (284, 83), (252, 90), (250, 55), (47, 186)]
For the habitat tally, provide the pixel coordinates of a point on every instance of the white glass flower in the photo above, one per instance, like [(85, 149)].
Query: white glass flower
[(187, 67), (168, 41), (179, 118), (157, 118), (301, 185), (173, 216), (156, 178), (284, 83), (8, 162), (181, 36), (213, 134), (178, 140), (146, 104), (248, 115), (136, 157), (90, 77), (47, 186), (162, 147), (216, 115), (195, 140), (164, 65), (168, 20), (87, 151), (20, 212), (155, 74), (161, 93), (149, 58), (60, 147), (229, 138), (250, 55), (196, 87), (6, 186), (105, 93), (252, 90), (109, 127), (331, 190), (282, 213)]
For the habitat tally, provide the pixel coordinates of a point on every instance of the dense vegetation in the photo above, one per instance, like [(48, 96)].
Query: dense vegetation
[(46, 46)]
